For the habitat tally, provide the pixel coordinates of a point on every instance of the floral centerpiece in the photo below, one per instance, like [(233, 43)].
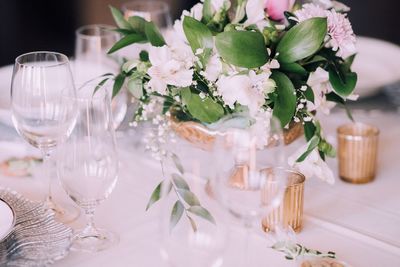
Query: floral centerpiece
[(254, 57)]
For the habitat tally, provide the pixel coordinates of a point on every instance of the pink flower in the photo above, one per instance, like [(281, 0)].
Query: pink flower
[(275, 8)]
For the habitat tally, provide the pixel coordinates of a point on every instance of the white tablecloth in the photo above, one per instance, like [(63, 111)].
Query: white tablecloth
[(361, 223)]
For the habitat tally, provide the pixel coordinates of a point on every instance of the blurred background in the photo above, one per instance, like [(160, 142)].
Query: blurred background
[(50, 25)]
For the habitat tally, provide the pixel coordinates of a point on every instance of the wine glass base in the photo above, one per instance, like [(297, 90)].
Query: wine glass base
[(93, 242), (64, 213)]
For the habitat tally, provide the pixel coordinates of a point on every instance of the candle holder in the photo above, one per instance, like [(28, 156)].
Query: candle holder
[(357, 152), (290, 212)]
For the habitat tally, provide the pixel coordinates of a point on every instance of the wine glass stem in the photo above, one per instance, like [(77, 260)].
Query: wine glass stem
[(90, 228), (47, 175)]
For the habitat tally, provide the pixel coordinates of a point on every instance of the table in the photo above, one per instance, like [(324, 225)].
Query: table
[(361, 223)]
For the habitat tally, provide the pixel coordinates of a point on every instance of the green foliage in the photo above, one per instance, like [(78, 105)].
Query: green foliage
[(285, 103), (205, 110), (127, 40), (242, 48), (303, 40), (153, 34), (118, 83), (119, 18), (176, 214), (344, 83), (313, 144)]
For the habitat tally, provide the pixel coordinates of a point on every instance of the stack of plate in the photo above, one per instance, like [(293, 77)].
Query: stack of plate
[(29, 234)]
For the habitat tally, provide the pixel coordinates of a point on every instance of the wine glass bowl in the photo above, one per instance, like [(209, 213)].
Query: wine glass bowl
[(87, 163), (155, 11), (39, 114)]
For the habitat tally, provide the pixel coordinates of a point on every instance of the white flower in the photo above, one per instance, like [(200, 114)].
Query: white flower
[(195, 12), (342, 38), (255, 12), (247, 90), (213, 68), (319, 83), (167, 69), (312, 166)]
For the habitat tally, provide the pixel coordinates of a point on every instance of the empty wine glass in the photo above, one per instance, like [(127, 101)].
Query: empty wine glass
[(39, 113), (248, 181), (87, 163), (193, 229), (92, 62), (155, 11), (91, 46)]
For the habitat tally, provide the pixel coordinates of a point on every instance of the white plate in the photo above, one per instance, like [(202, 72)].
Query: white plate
[(7, 219), (377, 64)]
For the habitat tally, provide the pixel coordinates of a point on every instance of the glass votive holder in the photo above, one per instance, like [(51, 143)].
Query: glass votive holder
[(357, 152), (290, 212)]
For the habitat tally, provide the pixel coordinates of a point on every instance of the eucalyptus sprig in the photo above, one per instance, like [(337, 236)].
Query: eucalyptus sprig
[(187, 202)]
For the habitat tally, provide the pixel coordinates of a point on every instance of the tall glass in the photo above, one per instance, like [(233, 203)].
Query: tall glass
[(155, 11), (248, 181), (87, 163), (39, 113), (92, 62), (91, 46)]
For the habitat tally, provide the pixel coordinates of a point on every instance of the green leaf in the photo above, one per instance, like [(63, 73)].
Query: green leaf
[(176, 214), (316, 59), (313, 144), (309, 130), (189, 197), (144, 55), (119, 18), (135, 87), (118, 83), (327, 149), (293, 68), (202, 212), (205, 110), (207, 10), (137, 23), (124, 31), (333, 97), (242, 48), (303, 40), (178, 163), (153, 34), (100, 84), (309, 94), (285, 103), (343, 87), (127, 40), (179, 182), (155, 196), (348, 62), (192, 223), (197, 34)]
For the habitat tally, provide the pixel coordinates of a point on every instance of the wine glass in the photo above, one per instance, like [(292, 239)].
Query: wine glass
[(199, 236), (39, 113), (92, 62), (91, 46), (87, 163), (249, 181), (155, 11)]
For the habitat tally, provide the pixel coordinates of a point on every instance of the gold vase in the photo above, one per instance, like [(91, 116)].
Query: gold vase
[(290, 211), (357, 152)]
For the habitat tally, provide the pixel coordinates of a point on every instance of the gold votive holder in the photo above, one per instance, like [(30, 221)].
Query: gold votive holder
[(357, 152), (290, 212)]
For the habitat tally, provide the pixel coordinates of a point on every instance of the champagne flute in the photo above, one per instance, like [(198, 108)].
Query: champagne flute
[(155, 11), (87, 163), (92, 62), (248, 181), (38, 112)]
